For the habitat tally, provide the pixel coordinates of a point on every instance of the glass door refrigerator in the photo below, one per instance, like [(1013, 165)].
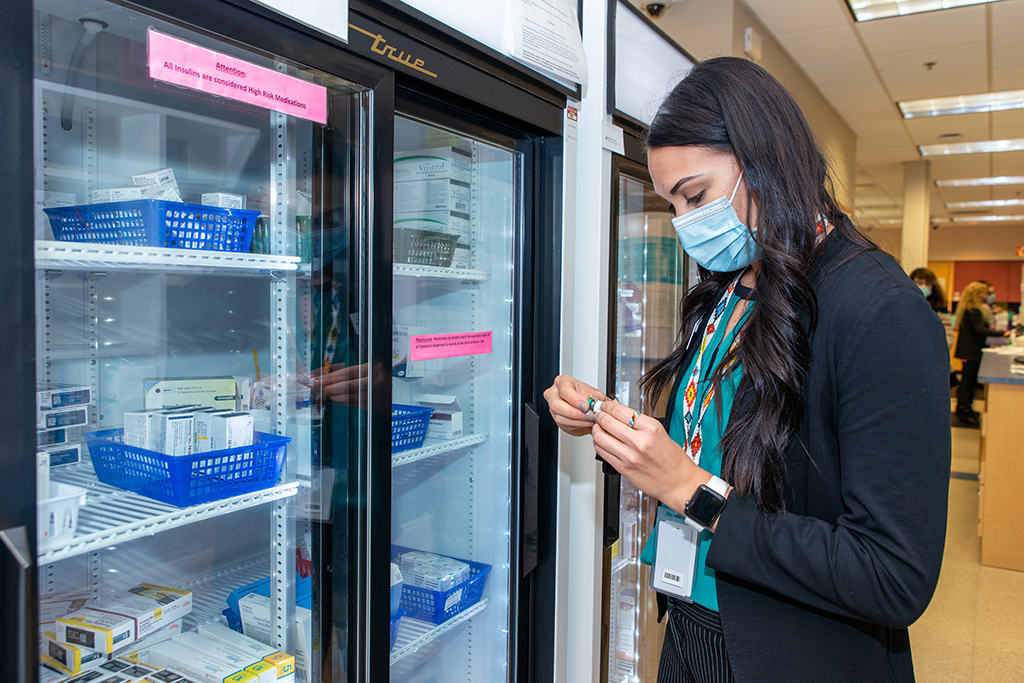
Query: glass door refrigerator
[(650, 273), (221, 221)]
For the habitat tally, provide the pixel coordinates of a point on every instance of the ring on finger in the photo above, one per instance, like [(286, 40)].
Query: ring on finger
[(636, 414)]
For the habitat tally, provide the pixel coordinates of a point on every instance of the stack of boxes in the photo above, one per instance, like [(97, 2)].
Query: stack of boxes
[(432, 194), (158, 184), (60, 412)]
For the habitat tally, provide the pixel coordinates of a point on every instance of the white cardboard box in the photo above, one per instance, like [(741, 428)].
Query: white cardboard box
[(284, 664), (62, 418), (115, 621), (215, 392), (401, 365), (194, 664), (449, 163), (446, 420), (66, 658), (231, 656), (224, 200), (173, 433), (51, 399), (432, 195), (229, 430), (155, 177)]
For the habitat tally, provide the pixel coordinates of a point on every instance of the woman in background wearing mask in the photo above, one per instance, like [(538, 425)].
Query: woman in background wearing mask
[(974, 329), (930, 287), (806, 422)]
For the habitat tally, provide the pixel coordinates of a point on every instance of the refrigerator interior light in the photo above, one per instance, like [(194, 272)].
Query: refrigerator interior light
[(981, 182), (985, 203), (866, 10), (962, 104), (979, 147)]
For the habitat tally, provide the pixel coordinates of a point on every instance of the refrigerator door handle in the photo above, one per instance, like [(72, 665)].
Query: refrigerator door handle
[(612, 486), (16, 649), (530, 488)]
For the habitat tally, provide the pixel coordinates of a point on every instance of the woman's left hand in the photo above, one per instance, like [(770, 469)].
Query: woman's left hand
[(646, 455)]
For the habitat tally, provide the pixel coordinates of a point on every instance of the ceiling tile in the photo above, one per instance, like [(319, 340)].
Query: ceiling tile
[(1007, 19), (965, 83), (1008, 163), (924, 31), (845, 72), (949, 59), (799, 15), (961, 166), (1007, 54), (926, 131), (866, 131), (809, 47), (1008, 124), (1008, 79)]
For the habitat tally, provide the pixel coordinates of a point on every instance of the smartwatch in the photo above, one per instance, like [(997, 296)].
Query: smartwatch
[(702, 510)]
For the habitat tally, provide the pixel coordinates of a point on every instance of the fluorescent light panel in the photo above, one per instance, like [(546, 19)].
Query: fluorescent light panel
[(981, 182), (987, 219), (866, 10), (985, 204), (979, 147), (962, 104)]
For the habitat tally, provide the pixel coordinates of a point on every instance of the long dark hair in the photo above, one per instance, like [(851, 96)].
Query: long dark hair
[(937, 299), (733, 105)]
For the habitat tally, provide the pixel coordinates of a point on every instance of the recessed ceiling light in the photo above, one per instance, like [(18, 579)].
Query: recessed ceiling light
[(988, 219), (962, 104), (985, 203), (979, 147), (982, 182), (866, 10)]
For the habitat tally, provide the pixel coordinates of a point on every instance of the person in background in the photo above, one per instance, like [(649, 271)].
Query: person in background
[(989, 304), (930, 287), (806, 430), (974, 329)]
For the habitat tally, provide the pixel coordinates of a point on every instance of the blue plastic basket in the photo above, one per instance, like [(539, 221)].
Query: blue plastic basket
[(185, 480), (438, 607), (408, 426), (395, 618), (155, 223)]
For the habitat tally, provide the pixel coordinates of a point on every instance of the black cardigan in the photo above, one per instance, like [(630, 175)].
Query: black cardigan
[(973, 332), (825, 590)]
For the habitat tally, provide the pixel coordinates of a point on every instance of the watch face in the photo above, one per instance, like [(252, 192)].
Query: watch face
[(705, 505)]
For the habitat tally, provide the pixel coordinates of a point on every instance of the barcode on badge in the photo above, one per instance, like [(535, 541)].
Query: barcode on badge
[(672, 578)]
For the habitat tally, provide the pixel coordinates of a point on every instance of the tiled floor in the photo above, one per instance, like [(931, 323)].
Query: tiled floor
[(973, 630)]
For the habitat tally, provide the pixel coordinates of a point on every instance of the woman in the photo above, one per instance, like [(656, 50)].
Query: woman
[(930, 287), (974, 329), (820, 462)]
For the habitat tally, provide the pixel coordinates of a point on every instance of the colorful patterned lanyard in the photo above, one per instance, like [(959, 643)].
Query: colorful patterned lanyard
[(693, 443), (332, 333)]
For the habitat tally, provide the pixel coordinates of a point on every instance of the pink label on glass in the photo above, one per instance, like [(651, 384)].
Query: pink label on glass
[(431, 346), (175, 61)]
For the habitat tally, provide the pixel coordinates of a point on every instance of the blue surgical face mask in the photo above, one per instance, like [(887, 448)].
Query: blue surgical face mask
[(926, 290), (715, 238)]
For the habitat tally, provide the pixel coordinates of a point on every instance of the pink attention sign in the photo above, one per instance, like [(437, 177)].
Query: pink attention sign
[(175, 61), (431, 346)]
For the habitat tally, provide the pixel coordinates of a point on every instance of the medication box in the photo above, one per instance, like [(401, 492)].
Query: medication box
[(401, 366), (215, 392), (63, 455), (224, 200), (124, 617), (432, 195), (448, 163), (198, 665), (435, 572), (446, 420), (231, 657), (229, 430), (284, 664), (62, 418), (172, 433), (66, 658), (156, 177), (52, 399), (116, 194)]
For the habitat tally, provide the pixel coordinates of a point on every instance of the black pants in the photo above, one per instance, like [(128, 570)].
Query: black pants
[(968, 385), (694, 649)]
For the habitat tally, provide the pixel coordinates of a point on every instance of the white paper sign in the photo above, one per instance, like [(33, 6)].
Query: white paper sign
[(546, 35), (326, 16), (611, 138)]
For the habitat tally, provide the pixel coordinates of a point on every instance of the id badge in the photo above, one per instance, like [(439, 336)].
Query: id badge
[(675, 557)]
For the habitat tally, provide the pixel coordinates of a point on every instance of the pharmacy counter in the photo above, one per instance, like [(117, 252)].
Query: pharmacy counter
[(1001, 504)]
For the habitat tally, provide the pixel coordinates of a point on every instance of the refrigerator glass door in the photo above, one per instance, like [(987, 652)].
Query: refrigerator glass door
[(456, 214), (650, 279), (200, 245)]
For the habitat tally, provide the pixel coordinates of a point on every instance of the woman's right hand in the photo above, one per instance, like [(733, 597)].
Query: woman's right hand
[(567, 402)]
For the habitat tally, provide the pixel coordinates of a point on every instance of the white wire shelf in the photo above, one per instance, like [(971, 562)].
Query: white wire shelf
[(112, 515), (414, 634), (210, 592), (55, 255), (432, 448), (414, 270)]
